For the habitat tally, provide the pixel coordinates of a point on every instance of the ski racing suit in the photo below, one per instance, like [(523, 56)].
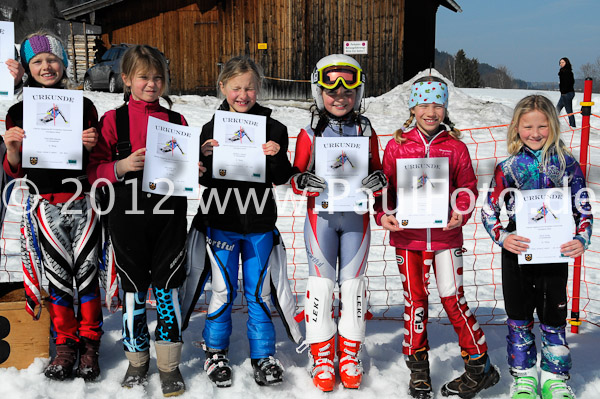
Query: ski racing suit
[(60, 235), (418, 250), (245, 228), (331, 236), (149, 248), (535, 287)]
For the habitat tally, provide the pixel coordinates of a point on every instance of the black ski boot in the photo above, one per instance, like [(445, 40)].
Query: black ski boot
[(88, 367), (168, 357), (479, 374), (61, 366), (217, 366), (267, 371), (136, 373), (420, 381)]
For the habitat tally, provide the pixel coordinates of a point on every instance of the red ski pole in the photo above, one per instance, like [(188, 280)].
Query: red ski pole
[(586, 111)]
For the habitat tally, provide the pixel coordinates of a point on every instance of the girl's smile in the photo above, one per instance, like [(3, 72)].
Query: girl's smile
[(240, 92), (145, 85), (429, 117), (338, 102), (47, 69), (533, 129)]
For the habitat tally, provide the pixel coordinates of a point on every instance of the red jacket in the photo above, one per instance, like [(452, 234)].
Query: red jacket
[(461, 176)]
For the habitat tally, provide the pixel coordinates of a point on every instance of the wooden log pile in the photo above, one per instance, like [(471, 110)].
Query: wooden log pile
[(83, 48)]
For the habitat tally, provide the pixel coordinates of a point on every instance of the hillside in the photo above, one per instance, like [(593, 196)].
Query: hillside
[(491, 76)]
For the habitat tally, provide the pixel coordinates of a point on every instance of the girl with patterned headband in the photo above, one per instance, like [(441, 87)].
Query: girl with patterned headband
[(420, 249)]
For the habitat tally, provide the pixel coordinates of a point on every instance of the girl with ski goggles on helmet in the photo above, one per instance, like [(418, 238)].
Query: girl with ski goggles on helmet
[(337, 87)]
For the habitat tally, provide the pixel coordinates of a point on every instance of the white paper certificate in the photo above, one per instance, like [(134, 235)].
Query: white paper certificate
[(546, 218), (239, 155), (7, 50), (53, 124), (423, 192), (343, 162), (172, 154)]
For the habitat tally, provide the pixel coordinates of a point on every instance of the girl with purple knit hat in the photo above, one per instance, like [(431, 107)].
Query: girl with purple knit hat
[(60, 228)]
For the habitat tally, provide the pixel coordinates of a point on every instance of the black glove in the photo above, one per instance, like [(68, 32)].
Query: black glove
[(375, 183), (307, 184)]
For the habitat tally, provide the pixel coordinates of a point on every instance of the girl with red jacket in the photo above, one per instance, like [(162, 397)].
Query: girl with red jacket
[(419, 249)]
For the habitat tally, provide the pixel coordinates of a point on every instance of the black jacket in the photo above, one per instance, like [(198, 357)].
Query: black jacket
[(278, 171), (50, 180), (567, 81)]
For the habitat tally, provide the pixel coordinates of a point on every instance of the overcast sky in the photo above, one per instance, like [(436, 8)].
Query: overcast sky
[(528, 36)]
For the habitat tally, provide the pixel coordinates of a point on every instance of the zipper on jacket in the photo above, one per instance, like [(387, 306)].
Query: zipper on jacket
[(427, 145)]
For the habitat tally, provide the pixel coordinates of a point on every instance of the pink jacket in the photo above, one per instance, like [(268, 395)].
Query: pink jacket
[(101, 162), (461, 176)]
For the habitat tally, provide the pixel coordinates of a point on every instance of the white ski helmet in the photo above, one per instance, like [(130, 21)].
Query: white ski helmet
[(333, 70)]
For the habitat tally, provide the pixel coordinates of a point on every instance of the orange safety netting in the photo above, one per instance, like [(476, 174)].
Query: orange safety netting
[(482, 268)]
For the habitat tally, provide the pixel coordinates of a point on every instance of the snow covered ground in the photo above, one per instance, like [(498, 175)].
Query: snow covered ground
[(386, 375)]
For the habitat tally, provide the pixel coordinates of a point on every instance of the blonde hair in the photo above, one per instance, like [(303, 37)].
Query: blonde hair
[(145, 58), (453, 131), (542, 104), (237, 66), (65, 82)]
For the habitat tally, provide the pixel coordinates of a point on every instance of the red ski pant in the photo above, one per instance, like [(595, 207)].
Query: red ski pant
[(447, 265)]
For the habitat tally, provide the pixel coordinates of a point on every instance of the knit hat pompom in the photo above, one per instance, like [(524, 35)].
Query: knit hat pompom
[(44, 43)]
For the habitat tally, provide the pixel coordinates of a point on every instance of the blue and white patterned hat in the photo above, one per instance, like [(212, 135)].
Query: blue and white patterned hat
[(428, 93)]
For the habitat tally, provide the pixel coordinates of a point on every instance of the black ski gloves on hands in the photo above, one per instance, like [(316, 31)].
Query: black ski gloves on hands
[(307, 184)]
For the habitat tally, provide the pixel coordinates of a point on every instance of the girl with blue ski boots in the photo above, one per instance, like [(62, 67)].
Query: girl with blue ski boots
[(337, 88), (420, 249), (60, 229), (243, 228), (149, 248), (538, 160)]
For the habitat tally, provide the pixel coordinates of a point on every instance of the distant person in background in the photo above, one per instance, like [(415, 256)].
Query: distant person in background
[(100, 50), (567, 91)]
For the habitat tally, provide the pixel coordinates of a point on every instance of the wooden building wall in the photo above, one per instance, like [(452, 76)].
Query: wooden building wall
[(297, 34)]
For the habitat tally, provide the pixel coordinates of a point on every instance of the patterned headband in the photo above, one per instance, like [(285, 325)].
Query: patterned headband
[(428, 93)]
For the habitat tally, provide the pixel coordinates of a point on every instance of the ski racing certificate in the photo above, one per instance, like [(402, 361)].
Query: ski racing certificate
[(343, 162), (240, 155), (423, 192), (545, 217), (172, 155), (7, 50), (53, 124)]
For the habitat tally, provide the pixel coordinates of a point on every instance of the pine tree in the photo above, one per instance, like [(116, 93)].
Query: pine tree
[(467, 70)]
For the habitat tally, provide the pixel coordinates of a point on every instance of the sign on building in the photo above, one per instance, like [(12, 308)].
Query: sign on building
[(356, 47)]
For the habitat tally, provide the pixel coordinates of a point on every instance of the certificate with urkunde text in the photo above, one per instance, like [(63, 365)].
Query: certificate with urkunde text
[(172, 155), (239, 155), (343, 162), (53, 124), (7, 51), (422, 192), (545, 217)]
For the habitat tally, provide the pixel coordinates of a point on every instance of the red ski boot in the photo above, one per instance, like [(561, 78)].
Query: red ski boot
[(351, 370), (323, 374)]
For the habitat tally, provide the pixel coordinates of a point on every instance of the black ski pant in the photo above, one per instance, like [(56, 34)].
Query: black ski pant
[(539, 287)]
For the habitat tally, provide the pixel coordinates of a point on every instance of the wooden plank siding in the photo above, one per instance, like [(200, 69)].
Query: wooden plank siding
[(297, 32)]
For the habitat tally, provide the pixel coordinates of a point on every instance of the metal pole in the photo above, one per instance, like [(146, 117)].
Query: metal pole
[(586, 111)]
